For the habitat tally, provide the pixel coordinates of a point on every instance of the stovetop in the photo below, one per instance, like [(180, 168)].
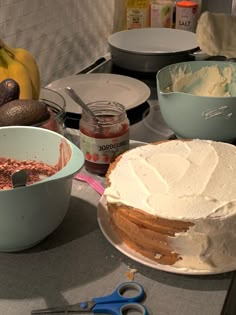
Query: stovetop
[(146, 121)]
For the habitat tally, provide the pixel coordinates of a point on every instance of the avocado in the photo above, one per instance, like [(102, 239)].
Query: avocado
[(9, 91), (24, 113)]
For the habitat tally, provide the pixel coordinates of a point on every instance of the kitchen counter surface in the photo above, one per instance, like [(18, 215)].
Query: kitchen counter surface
[(77, 263)]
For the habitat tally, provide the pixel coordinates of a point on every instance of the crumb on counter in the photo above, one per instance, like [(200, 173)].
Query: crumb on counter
[(130, 274)]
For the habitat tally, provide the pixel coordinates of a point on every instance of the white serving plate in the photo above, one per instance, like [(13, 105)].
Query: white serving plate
[(92, 87), (107, 230)]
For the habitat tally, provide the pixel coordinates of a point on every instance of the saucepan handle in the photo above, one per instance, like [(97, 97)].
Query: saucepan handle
[(199, 55), (232, 59)]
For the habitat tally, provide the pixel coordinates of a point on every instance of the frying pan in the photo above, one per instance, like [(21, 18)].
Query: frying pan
[(150, 49)]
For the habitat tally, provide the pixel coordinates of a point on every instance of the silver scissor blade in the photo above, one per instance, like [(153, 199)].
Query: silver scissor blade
[(52, 310), (82, 307)]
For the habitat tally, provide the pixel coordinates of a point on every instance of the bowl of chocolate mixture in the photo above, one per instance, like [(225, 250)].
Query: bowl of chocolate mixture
[(29, 213)]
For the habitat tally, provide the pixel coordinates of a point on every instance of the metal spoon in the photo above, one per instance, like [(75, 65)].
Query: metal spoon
[(19, 178), (71, 92)]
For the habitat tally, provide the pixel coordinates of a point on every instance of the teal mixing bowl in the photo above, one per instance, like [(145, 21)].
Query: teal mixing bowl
[(30, 213), (192, 116)]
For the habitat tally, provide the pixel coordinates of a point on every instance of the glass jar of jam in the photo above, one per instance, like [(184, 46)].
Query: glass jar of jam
[(102, 142)]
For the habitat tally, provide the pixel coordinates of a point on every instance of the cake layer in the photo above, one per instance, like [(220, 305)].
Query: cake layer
[(147, 234)]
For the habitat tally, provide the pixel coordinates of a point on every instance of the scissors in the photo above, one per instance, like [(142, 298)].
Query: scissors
[(117, 303)]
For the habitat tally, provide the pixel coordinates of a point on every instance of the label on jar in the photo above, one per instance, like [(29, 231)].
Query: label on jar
[(103, 151), (137, 18)]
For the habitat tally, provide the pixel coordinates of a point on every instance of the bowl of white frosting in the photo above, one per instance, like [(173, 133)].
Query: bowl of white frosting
[(198, 99)]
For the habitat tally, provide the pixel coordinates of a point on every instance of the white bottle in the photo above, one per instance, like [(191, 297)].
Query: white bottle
[(199, 8), (186, 15), (161, 13)]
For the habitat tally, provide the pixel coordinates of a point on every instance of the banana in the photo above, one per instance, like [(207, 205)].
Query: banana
[(28, 61), (16, 71), (3, 69)]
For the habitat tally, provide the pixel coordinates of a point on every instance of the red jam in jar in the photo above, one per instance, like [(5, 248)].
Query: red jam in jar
[(102, 142)]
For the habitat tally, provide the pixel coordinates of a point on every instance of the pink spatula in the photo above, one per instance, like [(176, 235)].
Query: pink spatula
[(91, 181)]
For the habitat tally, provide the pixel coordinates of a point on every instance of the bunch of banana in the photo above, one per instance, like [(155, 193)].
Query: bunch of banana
[(20, 65)]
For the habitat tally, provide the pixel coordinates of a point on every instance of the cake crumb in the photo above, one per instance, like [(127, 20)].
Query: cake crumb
[(130, 274)]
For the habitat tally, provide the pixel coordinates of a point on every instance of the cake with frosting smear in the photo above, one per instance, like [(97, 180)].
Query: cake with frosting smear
[(175, 203)]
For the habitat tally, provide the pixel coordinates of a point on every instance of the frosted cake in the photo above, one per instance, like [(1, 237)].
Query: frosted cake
[(175, 203)]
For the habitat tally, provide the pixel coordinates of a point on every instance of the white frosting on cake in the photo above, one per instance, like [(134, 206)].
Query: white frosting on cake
[(191, 181), (177, 180)]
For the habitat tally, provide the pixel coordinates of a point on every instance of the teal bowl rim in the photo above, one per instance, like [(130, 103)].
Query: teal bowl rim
[(209, 62), (73, 166)]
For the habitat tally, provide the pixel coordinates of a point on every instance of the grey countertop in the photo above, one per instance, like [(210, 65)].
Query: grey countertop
[(76, 263)]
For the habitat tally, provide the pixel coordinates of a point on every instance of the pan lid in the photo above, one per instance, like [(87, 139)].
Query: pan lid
[(154, 40)]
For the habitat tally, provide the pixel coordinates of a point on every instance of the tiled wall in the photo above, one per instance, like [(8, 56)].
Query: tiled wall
[(65, 36)]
